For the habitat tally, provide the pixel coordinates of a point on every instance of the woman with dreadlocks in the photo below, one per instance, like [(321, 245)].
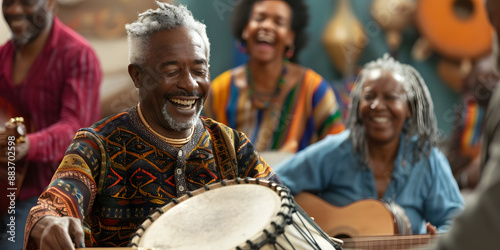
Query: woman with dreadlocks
[(388, 152)]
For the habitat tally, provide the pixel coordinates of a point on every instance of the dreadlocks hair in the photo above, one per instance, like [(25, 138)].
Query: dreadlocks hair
[(422, 122), (166, 17), (299, 21)]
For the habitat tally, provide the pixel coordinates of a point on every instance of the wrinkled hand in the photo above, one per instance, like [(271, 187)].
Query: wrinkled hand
[(431, 229), (58, 233)]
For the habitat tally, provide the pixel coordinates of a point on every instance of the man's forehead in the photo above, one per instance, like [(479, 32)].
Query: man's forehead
[(177, 38)]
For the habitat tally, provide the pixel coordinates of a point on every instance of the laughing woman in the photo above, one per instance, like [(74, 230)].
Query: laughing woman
[(388, 152), (277, 103)]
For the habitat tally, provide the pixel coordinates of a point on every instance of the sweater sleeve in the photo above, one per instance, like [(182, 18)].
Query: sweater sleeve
[(73, 188)]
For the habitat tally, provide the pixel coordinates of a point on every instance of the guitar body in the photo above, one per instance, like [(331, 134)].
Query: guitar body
[(365, 224), (7, 112), (368, 217)]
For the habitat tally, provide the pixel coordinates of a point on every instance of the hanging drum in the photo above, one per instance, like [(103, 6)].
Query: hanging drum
[(457, 29)]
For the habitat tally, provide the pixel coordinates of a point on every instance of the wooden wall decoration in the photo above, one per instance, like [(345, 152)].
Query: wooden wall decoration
[(102, 23), (344, 39), (101, 19), (458, 30), (393, 16)]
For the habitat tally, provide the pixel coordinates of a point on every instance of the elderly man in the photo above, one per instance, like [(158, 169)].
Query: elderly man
[(118, 171)]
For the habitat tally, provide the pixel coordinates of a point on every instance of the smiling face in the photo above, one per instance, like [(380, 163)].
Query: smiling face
[(268, 32), (174, 80), (27, 19), (383, 107)]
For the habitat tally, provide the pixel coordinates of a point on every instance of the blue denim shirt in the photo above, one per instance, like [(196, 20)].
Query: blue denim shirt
[(425, 188)]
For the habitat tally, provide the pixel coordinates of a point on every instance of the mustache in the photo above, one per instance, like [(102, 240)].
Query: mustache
[(10, 18)]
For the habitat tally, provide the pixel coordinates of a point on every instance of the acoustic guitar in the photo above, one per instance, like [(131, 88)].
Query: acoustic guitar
[(11, 173), (365, 224)]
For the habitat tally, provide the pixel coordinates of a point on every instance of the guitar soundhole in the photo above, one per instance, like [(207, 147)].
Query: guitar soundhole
[(463, 9)]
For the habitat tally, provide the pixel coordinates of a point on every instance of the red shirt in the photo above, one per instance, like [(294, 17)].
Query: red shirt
[(59, 95)]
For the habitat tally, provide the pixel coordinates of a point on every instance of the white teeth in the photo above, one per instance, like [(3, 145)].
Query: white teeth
[(265, 39), (380, 119), (262, 37), (183, 102)]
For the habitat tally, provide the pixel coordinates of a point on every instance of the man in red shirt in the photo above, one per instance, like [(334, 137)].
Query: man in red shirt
[(51, 76)]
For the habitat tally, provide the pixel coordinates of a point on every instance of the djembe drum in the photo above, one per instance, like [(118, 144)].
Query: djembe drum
[(236, 214)]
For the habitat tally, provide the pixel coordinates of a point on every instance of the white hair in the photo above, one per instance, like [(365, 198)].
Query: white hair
[(166, 17)]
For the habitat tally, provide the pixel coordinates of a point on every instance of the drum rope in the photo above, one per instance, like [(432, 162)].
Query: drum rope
[(318, 229), (286, 217)]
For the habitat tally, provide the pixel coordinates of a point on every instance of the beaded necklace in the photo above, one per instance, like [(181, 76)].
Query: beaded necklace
[(277, 90), (174, 142)]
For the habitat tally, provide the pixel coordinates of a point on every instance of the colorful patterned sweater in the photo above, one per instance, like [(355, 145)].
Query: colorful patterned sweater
[(116, 173)]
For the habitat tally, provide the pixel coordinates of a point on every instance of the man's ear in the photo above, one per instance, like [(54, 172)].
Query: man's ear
[(135, 73)]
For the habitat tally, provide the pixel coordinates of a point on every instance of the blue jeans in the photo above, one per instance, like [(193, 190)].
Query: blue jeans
[(13, 240)]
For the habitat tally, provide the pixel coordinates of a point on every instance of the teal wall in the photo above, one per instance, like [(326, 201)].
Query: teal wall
[(216, 15)]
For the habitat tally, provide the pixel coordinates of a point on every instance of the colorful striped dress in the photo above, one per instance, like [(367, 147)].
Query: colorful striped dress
[(305, 114), (472, 125)]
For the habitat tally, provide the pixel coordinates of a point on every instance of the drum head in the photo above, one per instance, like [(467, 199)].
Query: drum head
[(222, 218)]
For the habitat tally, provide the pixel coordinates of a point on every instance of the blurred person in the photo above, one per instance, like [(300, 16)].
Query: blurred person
[(479, 224), (51, 76), (388, 152), (463, 146), (124, 167), (277, 103)]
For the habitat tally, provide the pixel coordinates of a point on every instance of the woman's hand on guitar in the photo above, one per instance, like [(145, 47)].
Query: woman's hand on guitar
[(431, 229), (56, 233)]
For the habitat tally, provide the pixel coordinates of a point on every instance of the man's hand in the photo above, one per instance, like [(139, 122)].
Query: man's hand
[(58, 233), (19, 152), (10, 147)]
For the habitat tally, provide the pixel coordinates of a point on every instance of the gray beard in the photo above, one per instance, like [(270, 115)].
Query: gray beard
[(176, 125)]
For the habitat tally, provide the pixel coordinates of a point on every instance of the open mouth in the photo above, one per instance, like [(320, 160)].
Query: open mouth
[(18, 24), (265, 38), (183, 104)]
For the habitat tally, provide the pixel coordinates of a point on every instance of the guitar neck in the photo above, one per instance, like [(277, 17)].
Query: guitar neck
[(387, 242)]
